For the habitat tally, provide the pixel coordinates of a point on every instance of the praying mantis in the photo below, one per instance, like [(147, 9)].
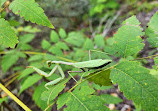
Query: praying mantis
[(84, 66)]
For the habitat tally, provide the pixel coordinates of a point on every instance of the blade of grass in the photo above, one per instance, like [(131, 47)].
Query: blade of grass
[(14, 98)]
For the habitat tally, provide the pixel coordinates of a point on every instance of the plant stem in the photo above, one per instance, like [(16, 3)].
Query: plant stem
[(14, 98), (148, 57), (90, 77)]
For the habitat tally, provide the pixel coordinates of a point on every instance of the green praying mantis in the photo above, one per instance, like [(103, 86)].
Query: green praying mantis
[(84, 66)]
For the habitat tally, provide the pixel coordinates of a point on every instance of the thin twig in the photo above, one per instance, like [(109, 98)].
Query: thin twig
[(149, 57)]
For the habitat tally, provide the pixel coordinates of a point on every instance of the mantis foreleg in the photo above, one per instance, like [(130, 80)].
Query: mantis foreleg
[(58, 79), (42, 72), (47, 75)]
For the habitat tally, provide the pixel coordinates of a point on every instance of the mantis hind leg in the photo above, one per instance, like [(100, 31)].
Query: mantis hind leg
[(53, 82), (69, 72)]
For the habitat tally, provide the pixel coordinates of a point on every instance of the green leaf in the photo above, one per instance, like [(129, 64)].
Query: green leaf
[(75, 38), (54, 37), (62, 45), (29, 82), (110, 41), (25, 47), (35, 58), (62, 33), (154, 73), (53, 92), (62, 100), (82, 100), (156, 63), (55, 50), (84, 103), (45, 44), (127, 40), (30, 10), (88, 44), (101, 78), (13, 23), (26, 72), (3, 99), (110, 99), (101, 87), (26, 38), (37, 94), (137, 84), (2, 2), (99, 41), (152, 31), (10, 59), (30, 29), (7, 39)]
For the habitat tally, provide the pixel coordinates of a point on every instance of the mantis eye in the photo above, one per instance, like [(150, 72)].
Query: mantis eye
[(49, 63)]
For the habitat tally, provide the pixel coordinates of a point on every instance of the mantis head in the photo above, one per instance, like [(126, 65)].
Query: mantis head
[(49, 63)]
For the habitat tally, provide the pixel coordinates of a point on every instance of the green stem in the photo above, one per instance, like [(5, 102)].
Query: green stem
[(90, 77), (149, 57), (1, 10)]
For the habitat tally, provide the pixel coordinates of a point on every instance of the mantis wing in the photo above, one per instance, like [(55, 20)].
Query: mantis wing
[(91, 63)]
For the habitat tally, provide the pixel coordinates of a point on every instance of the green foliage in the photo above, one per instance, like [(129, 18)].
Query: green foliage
[(24, 40), (99, 41), (127, 41), (29, 81), (88, 45), (101, 78), (110, 99), (81, 99), (53, 92), (37, 96), (98, 87), (75, 38), (54, 37), (136, 84), (62, 33), (154, 73), (100, 6), (30, 10), (60, 102), (45, 44), (152, 31), (2, 2), (3, 99), (7, 39), (10, 59), (156, 63)]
